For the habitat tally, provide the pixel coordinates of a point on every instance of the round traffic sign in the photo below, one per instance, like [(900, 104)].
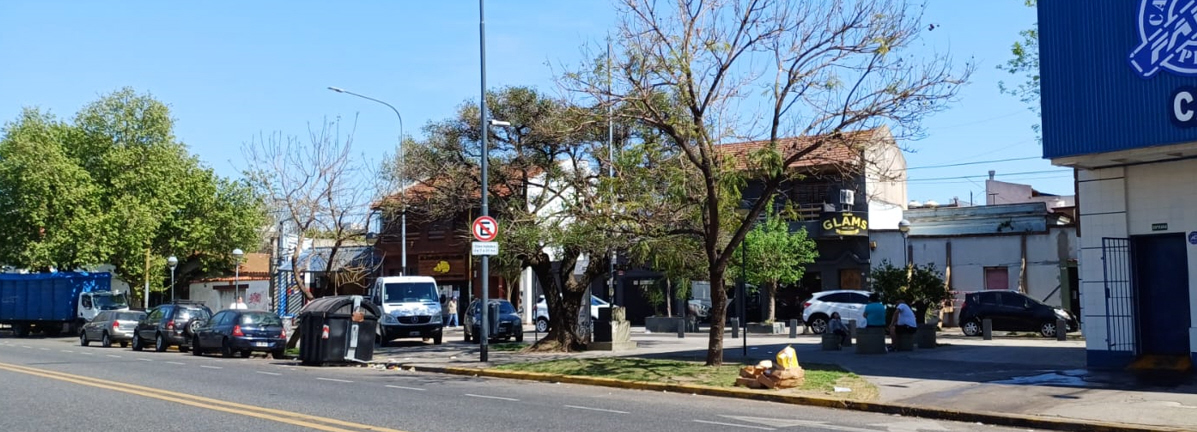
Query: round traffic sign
[(485, 228)]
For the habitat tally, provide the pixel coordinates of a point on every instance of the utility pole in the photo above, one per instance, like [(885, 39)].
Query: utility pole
[(147, 278)]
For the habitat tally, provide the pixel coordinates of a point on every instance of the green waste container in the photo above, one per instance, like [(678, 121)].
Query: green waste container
[(337, 329)]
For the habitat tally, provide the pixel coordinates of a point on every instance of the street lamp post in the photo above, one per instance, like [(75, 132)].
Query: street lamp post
[(402, 179), (904, 227), (237, 254), (172, 262)]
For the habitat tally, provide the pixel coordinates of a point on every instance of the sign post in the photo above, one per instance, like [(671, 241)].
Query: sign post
[(485, 230)]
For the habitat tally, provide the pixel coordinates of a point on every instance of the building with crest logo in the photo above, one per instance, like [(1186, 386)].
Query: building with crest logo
[(1119, 105)]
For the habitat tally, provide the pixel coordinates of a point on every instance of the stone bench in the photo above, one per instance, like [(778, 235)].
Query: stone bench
[(925, 337), (870, 341), (831, 341), (905, 342)]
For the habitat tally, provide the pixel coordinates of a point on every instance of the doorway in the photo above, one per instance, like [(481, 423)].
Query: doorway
[(1161, 275)]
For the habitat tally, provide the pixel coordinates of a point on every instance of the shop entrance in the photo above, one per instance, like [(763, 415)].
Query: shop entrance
[(1161, 275)]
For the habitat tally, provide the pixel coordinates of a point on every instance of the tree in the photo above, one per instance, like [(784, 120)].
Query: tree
[(774, 256), (1025, 62), (319, 189), (820, 70), (121, 186), (540, 183), (922, 286)]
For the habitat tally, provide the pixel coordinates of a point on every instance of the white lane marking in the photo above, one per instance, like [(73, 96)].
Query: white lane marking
[(492, 397), (334, 380), (86, 353), (176, 363), (734, 425), (145, 359), (268, 373), (68, 351), (44, 349), (596, 409), (113, 356), (26, 346), (407, 388), (211, 367)]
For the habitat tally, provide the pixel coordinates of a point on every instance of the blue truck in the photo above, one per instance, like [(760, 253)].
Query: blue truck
[(55, 303)]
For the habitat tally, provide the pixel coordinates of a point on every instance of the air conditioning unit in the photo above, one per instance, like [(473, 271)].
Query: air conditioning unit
[(847, 196)]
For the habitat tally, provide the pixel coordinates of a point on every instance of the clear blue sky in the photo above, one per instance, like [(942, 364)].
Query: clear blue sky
[(230, 70)]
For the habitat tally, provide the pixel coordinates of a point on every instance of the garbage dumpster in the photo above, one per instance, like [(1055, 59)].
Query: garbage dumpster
[(337, 330)]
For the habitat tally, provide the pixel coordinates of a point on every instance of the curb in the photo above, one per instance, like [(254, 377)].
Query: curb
[(990, 418)]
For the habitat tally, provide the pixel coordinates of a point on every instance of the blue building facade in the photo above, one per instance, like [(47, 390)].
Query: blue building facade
[(1119, 102)]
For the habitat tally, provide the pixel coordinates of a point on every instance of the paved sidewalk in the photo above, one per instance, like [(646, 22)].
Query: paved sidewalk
[(1013, 375)]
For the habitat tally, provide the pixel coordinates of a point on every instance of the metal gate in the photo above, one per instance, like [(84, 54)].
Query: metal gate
[(1119, 294)]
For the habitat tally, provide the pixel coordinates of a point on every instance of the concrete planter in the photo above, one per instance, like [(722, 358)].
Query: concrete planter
[(663, 324), (761, 328)]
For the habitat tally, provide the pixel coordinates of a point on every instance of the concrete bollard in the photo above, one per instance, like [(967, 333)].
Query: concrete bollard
[(1061, 330), (793, 329), (681, 328), (735, 325), (987, 329)]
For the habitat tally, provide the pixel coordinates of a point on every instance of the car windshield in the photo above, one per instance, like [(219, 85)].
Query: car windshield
[(110, 301), (506, 308), (410, 292), (261, 319)]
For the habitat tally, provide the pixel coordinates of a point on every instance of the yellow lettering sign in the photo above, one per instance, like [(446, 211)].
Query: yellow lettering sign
[(846, 224)]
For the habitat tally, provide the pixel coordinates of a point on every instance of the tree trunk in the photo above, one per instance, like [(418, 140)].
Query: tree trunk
[(563, 306), (920, 312), (770, 294), (718, 314)]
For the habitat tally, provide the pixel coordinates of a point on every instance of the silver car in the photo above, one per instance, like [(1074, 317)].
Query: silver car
[(111, 326)]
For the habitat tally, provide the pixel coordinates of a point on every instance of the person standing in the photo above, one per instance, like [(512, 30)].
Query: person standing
[(451, 305)]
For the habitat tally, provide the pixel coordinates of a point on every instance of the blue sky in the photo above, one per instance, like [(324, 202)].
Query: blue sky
[(232, 70)]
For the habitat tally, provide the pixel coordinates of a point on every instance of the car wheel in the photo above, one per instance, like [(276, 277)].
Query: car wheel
[(124, 344), (1048, 329), (971, 328), (278, 354), (246, 353), (195, 347), (184, 348), (436, 340), (519, 336), (160, 344), (817, 324), (542, 325), (137, 342), (226, 351), (105, 341), (83, 339)]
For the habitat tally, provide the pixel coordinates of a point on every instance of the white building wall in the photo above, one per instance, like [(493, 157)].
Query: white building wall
[(1103, 213), (256, 294)]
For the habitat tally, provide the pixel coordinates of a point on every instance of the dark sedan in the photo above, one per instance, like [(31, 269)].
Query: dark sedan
[(241, 331), (506, 326)]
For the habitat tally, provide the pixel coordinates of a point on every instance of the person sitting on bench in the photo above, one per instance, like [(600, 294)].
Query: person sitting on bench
[(903, 322), (836, 326)]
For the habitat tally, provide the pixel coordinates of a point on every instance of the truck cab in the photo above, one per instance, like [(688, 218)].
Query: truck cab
[(410, 306), (94, 302)]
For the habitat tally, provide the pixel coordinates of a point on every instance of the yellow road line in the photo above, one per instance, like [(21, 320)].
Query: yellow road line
[(281, 416)]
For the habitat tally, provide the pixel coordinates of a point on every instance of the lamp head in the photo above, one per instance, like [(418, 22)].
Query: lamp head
[(494, 122), (172, 262), (337, 89), (237, 253), (904, 226)]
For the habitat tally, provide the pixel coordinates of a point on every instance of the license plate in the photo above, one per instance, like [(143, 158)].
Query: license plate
[(415, 333), (261, 344)]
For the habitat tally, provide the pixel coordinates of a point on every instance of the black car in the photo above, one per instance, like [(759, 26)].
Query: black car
[(1011, 311), (241, 331), (170, 324), (506, 326)]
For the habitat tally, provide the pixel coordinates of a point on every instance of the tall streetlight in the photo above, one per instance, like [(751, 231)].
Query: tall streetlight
[(172, 262), (237, 254), (484, 124), (402, 179), (904, 227)]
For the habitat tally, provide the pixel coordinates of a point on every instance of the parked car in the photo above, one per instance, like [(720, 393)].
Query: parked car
[(849, 303), (542, 311), (509, 323), (1012, 311), (241, 331), (170, 324), (111, 326)]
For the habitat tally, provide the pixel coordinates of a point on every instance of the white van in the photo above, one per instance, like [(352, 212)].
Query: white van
[(410, 306)]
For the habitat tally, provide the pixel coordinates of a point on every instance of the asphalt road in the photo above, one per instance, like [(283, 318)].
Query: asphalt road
[(56, 385)]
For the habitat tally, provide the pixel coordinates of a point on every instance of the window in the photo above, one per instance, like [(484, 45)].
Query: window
[(157, 314), (261, 319), (506, 308), (409, 292), (87, 302), (988, 298), (1015, 301), (835, 298), (858, 298), (104, 316), (997, 278)]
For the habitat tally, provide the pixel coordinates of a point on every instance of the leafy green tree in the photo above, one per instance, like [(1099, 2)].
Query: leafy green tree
[(922, 286), (774, 255), (1025, 62), (122, 185), (824, 71)]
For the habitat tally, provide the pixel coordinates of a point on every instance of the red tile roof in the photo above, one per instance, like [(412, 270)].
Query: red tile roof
[(842, 150)]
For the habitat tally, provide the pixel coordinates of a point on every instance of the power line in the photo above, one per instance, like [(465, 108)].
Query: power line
[(973, 163), (986, 175)]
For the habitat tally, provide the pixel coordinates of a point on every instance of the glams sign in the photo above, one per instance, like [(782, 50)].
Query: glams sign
[(1167, 41), (845, 224)]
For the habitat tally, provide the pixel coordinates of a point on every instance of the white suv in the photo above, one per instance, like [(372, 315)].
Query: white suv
[(850, 304), (542, 311)]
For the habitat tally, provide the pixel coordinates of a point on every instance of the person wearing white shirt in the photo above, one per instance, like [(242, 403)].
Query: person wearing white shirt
[(239, 304), (903, 322)]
